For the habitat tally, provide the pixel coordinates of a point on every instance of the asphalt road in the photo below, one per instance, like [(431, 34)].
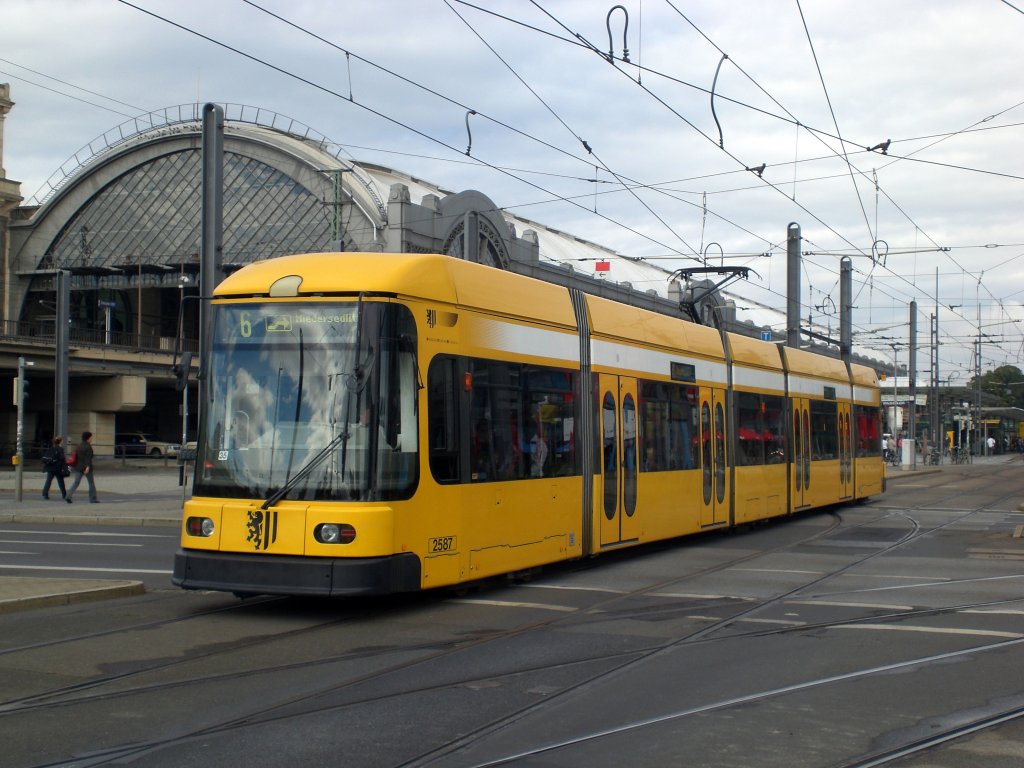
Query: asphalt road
[(832, 639), (90, 552)]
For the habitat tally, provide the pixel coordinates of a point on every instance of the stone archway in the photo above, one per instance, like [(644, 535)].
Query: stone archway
[(476, 230)]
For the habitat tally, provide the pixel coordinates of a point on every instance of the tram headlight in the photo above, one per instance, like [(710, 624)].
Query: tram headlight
[(199, 526), (334, 533)]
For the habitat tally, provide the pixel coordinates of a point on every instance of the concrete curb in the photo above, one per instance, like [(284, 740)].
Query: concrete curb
[(21, 594)]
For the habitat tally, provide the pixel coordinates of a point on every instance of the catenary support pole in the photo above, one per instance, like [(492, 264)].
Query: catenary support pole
[(211, 237), (793, 240)]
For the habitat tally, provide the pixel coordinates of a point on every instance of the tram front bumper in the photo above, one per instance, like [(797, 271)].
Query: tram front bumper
[(287, 575)]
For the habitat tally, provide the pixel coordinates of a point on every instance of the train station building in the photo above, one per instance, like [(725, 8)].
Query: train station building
[(121, 223)]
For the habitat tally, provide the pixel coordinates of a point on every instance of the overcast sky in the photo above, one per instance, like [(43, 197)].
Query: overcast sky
[(636, 156)]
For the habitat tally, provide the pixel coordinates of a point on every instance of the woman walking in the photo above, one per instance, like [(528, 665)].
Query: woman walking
[(83, 468)]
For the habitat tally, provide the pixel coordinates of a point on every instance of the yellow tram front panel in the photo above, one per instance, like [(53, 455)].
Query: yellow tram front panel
[(287, 528)]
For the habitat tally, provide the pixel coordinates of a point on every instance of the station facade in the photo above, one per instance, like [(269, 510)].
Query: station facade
[(122, 221)]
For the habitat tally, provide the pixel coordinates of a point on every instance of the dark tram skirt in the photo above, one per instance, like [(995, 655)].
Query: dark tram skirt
[(287, 575)]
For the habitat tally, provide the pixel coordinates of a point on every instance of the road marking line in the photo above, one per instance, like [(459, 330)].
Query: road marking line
[(933, 630), (688, 595), (90, 533), (774, 621), (994, 611), (69, 568), (512, 604), (67, 543), (533, 585), (851, 605)]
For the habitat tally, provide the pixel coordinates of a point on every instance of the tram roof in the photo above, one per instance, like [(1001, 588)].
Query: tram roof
[(424, 276), (624, 321), (746, 350), (803, 362)]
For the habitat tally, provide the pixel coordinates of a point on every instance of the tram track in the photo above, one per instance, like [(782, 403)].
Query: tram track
[(434, 757), (54, 697), (263, 717), (274, 710), (267, 715)]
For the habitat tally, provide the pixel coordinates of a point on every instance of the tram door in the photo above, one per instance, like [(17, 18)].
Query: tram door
[(845, 452), (800, 470), (618, 429), (713, 429)]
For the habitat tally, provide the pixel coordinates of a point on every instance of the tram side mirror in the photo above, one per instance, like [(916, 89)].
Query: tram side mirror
[(181, 370)]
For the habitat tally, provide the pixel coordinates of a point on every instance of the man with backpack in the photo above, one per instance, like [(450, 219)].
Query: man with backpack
[(56, 467)]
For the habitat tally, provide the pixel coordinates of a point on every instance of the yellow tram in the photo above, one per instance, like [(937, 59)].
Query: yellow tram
[(393, 422)]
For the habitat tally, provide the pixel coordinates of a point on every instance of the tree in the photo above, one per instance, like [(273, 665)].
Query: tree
[(1004, 385)]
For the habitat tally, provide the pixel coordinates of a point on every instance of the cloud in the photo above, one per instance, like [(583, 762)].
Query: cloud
[(916, 72)]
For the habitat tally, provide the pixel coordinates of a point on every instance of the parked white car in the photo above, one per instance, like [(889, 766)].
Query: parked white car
[(143, 444)]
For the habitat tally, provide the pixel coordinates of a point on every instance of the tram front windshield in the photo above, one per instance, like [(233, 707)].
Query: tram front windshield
[(310, 401)]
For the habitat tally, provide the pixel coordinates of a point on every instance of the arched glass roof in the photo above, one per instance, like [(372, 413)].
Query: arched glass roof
[(151, 215)]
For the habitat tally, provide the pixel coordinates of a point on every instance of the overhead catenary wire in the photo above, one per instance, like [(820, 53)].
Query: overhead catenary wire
[(555, 196)]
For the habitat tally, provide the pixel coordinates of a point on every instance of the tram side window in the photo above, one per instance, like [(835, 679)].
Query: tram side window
[(824, 430), (668, 426), (869, 432), (443, 419), (760, 437), (774, 429), (750, 433), (522, 421)]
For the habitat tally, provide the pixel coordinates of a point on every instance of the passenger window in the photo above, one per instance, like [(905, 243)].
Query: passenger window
[(522, 421), (443, 420), (668, 426)]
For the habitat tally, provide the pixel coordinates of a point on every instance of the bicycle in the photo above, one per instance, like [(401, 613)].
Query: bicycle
[(961, 456)]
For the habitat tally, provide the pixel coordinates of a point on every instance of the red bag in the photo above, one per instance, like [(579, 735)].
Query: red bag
[(73, 458)]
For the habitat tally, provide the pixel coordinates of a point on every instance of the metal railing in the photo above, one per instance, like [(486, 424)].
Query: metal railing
[(43, 332)]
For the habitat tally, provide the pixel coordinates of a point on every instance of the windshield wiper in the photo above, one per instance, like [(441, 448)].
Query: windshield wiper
[(310, 465)]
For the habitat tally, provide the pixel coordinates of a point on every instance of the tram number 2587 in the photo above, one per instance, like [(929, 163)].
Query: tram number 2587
[(442, 544)]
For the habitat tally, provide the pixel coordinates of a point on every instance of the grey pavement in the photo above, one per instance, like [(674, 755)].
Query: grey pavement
[(130, 493), (147, 493), (135, 493)]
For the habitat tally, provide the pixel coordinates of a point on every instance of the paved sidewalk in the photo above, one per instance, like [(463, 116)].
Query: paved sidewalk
[(895, 473), (141, 493), (130, 493)]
